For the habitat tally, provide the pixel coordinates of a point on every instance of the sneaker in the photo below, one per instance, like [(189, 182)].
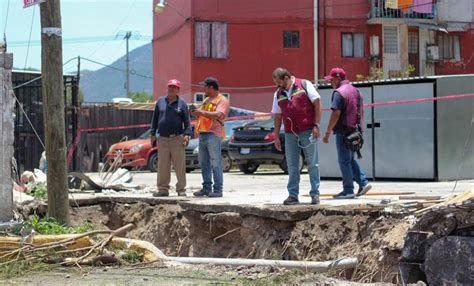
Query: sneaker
[(344, 196), (363, 190), (215, 195), (182, 194), (315, 200), (161, 194), (201, 193), (291, 201)]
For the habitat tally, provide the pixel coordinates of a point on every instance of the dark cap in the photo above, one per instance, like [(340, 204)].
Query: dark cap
[(211, 82)]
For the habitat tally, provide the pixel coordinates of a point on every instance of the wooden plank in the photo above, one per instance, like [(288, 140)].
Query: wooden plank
[(371, 194), (419, 198)]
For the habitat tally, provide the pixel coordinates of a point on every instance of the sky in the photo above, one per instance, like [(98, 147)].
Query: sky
[(88, 29)]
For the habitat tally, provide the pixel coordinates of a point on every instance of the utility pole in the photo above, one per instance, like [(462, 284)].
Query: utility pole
[(127, 82), (53, 110), (75, 109), (316, 42)]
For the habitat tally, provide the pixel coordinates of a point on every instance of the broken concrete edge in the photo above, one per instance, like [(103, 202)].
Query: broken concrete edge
[(277, 212), (7, 102)]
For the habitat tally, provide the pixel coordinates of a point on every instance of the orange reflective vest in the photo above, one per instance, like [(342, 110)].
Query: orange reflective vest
[(204, 124)]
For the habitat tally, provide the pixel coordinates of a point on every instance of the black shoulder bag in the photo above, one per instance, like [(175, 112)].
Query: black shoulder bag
[(355, 140)]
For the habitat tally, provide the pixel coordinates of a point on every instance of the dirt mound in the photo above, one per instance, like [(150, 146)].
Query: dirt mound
[(163, 225), (377, 243)]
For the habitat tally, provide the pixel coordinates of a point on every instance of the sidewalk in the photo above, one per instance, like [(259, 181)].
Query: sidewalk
[(269, 189)]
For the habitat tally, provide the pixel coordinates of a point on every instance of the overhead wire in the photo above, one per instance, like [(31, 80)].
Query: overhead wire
[(116, 30), (78, 40), (182, 83), (29, 37)]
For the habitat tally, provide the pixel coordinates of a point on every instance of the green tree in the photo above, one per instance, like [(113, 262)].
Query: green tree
[(141, 96)]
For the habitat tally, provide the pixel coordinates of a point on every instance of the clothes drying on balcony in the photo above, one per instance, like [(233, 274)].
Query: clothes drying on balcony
[(392, 4), (418, 6), (405, 5), (423, 6)]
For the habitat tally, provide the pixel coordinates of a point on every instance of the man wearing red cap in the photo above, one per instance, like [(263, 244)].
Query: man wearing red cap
[(171, 131), (297, 104), (346, 116)]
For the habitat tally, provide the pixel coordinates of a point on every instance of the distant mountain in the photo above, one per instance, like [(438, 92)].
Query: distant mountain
[(106, 83)]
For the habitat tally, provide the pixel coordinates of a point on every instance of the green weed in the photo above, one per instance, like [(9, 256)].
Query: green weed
[(133, 257), (39, 191), (49, 225)]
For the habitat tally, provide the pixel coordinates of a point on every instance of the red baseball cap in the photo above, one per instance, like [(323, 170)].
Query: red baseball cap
[(336, 72), (174, 82)]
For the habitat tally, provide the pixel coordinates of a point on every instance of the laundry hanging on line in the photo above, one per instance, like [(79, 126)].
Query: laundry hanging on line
[(423, 6), (392, 4), (405, 5)]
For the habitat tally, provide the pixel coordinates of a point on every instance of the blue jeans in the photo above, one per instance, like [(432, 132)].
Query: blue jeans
[(293, 147), (210, 159), (350, 169)]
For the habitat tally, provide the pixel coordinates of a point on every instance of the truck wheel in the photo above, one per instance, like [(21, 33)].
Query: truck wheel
[(284, 167), (153, 162), (249, 168), (226, 162)]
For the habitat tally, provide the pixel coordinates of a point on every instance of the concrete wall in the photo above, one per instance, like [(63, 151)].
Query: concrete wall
[(255, 46), (337, 17), (7, 112), (426, 37), (455, 10), (172, 48)]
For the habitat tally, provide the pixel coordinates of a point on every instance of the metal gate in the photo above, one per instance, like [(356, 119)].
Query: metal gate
[(404, 134)]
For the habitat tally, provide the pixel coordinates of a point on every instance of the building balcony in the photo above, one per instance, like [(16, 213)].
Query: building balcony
[(380, 14)]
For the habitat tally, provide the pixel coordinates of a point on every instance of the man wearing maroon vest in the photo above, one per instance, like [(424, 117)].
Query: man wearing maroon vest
[(298, 104), (346, 101)]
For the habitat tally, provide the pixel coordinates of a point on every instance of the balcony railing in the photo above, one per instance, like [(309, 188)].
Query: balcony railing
[(378, 10)]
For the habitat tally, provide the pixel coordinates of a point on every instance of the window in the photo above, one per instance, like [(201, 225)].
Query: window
[(227, 95), (390, 39), (291, 39), (449, 48), (352, 45), (211, 40), (199, 97), (413, 42)]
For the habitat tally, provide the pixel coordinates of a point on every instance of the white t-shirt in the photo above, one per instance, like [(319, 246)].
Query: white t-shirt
[(310, 92)]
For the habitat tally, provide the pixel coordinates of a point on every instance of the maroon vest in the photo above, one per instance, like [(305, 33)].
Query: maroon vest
[(297, 112), (348, 119)]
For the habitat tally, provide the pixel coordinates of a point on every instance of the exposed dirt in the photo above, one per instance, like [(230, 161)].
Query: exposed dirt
[(376, 241)]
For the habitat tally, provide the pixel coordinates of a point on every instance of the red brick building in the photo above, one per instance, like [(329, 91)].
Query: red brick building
[(241, 41)]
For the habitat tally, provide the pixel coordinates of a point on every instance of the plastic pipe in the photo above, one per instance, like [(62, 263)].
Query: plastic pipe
[(315, 266)]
